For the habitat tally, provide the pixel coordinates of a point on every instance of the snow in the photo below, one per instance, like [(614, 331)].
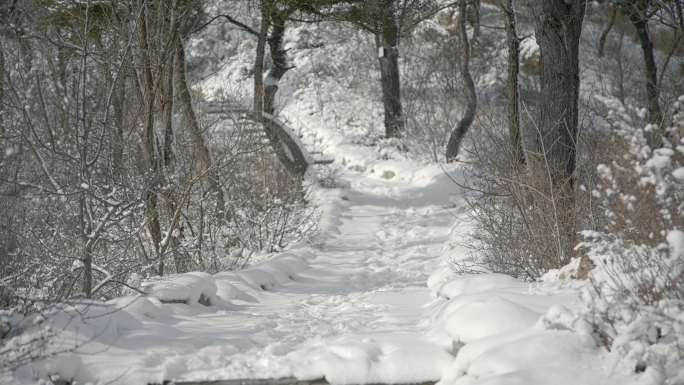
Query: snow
[(679, 174), (188, 288), (675, 238), (530, 357), (376, 359)]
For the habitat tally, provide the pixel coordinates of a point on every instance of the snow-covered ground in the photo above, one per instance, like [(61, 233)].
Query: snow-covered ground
[(348, 306), (360, 303)]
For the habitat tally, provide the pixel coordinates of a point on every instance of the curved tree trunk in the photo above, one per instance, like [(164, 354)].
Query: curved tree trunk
[(279, 64), (456, 137), (606, 31), (288, 150), (640, 22)]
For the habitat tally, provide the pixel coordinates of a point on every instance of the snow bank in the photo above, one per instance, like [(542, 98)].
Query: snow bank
[(477, 283), (529, 357), (504, 331), (219, 289), (188, 288), (380, 359), (273, 273), (475, 317)]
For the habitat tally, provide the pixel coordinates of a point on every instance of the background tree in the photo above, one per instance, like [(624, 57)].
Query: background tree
[(388, 20)]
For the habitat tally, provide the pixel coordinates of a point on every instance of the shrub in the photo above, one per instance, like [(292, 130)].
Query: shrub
[(636, 297)]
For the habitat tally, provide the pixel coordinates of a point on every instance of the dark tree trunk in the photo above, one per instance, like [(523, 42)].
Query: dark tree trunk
[(474, 18), (457, 136), (558, 30), (513, 93), (279, 64), (117, 147), (606, 31), (289, 154), (637, 15), (387, 43)]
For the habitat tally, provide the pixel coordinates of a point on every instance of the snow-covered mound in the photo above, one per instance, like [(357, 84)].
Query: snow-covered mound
[(188, 288), (371, 360)]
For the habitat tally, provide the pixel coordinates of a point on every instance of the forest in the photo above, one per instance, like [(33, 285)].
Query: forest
[(451, 192)]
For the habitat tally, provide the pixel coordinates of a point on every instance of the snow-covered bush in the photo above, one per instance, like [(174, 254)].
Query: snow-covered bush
[(516, 229), (636, 296)]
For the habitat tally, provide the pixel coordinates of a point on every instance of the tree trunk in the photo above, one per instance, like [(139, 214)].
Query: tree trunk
[(456, 137), (558, 30), (474, 18), (518, 155), (289, 154), (387, 43), (640, 22), (180, 258), (606, 31), (620, 69), (149, 153), (9, 191), (259, 61), (279, 65)]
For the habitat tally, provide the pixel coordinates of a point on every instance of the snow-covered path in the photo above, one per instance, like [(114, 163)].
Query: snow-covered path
[(355, 312), (349, 306)]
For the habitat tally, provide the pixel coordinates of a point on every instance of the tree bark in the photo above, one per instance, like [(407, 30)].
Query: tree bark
[(558, 30), (9, 191), (180, 258), (149, 153), (289, 154), (387, 43), (517, 153), (259, 61), (279, 64), (474, 18), (638, 18), (606, 31), (456, 137)]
